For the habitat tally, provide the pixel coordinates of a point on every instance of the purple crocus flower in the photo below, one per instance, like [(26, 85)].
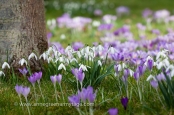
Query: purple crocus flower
[(26, 91), (136, 75), (74, 100), (97, 12), (91, 96), (154, 84), (32, 79), (24, 71), (83, 94), (124, 102), (105, 27), (113, 111), (79, 74), (150, 64), (38, 76), (59, 78), (53, 79), (19, 89), (77, 45)]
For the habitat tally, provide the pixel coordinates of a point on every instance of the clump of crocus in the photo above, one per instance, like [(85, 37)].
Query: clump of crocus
[(79, 74), (24, 91), (113, 111), (54, 79), (124, 101), (83, 95), (36, 77)]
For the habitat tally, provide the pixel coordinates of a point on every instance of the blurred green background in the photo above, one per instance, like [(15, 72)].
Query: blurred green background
[(55, 8)]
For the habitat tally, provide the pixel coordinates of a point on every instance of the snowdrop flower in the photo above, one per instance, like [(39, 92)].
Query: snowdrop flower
[(131, 72), (22, 61), (95, 23), (83, 67), (62, 36), (2, 73), (5, 64), (162, 54), (171, 69), (99, 63), (61, 66), (49, 59), (74, 59), (150, 77), (44, 56), (50, 51), (32, 55), (112, 50)]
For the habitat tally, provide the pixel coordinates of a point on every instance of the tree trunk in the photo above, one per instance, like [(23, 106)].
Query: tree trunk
[(22, 30)]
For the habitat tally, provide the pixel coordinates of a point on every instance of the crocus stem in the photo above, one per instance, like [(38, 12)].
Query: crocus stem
[(79, 111), (28, 107), (90, 110), (55, 92), (35, 92), (139, 92), (77, 85), (21, 102), (62, 92), (81, 85), (41, 91), (159, 97)]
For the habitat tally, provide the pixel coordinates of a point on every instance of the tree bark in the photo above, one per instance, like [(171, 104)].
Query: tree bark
[(22, 30)]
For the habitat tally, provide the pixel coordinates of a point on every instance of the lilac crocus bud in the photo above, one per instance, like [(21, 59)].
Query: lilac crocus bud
[(90, 96), (59, 78), (53, 79), (38, 76), (24, 71), (124, 102), (154, 83), (150, 64), (113, 111), (83, 94), (136, 75), (26, 91), (74, 100), (19, 89), (32, 79)]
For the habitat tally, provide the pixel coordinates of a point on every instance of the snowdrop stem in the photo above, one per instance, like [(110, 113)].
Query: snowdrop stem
[(27, 106), (62, 92), (41, 91), (55, 92)]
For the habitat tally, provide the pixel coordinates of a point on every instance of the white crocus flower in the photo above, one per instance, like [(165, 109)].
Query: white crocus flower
[(61, 66), (32, 55), (99, 63), (171, 69), (22, 61), (150, 77), (2, 73), (5, 64), (44, 56)]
